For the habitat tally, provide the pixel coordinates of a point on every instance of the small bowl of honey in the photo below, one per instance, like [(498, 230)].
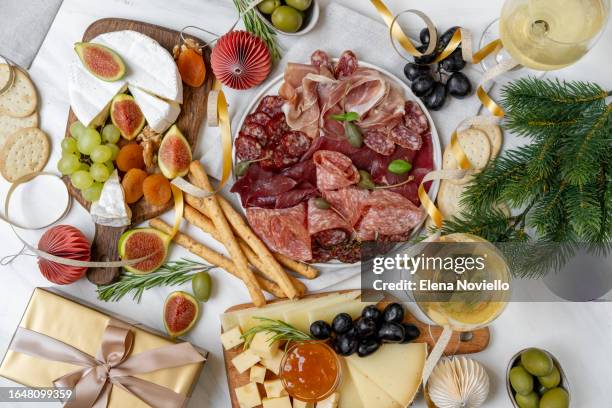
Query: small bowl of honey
[(310, 371)]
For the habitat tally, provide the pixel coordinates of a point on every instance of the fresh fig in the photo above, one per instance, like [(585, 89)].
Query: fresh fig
[(181, 311), (140, 242), (127, 116), (174, 155), (100, 61)]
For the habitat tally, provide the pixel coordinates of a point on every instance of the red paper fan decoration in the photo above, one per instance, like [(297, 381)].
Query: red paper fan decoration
[(67, 242), (241, 60)]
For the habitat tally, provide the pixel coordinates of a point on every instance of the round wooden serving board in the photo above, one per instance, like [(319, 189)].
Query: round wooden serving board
[(477, 341), (193, 113)]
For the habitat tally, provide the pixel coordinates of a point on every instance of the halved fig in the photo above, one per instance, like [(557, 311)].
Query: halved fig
[(141, 242), (127, 116), (181, 311), (174, 155), (100, 61)]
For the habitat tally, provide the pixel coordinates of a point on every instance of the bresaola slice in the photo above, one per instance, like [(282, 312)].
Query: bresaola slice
[(334, 170), (284, 231)]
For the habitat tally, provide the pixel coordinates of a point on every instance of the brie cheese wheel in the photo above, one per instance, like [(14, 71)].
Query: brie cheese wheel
[(160, 115), (111, 209), (149, 67)]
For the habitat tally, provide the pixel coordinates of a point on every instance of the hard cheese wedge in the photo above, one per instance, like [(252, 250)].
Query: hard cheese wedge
[(368, 393), (230, 320), (348, 390), (299, 318), (394, 368)]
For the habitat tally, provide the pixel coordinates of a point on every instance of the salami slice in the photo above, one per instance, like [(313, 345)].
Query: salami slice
[(259, 118), (348, 253), (277, 159), (350, 202), (271, 105), (346, 65), (320, 254), (334, 170), (406, 137), (321, 220), (247, 148), (320, 58), (330, 238), (389, 213), (277, 126), (414, 118), (295, 143), (255, 131), (378, 141)]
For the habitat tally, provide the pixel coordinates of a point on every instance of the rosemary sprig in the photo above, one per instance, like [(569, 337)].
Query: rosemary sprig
[(254, 25), (281, 332), (170, 274)]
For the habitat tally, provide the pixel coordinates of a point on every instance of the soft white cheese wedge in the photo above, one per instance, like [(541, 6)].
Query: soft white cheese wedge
[(111, 209), (160, 115)]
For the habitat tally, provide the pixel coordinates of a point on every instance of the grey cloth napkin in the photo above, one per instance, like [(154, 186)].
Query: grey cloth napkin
[(23, 27)]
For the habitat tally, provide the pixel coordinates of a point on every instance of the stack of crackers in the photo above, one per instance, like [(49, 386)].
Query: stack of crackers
[(24, 148)]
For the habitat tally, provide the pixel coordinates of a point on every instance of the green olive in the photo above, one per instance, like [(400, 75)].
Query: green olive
[(268, 6), (287, 19), (353, 134), (201, 285), (521, 380), (321, 203), (555, 398), (365, 180), (530, 400), (537, 362), (299, 4), (399, 166), (551, 380)]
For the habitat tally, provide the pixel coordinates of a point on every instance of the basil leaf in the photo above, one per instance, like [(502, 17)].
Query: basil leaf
[(353, 134), (346, 117), (399, 166)]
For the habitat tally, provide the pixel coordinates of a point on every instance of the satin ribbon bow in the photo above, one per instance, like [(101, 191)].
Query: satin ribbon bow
[(114, 366)]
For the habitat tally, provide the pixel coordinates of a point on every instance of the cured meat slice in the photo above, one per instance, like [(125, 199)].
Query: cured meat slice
[(320, 58), (255, 131), (300, 194), (320, 254), (330, 238), (259, 118), (277, 126), (414, 118), (350, 202), (322, 220), (283, 230), (364, 90), (349, 252), (271, 105), (334, 170), (387, 113), (277, 159), (295, 143), (305, 171), (260, 183), (346, 65), (406, 137), (247, 148), (378, 141), (388, 213)]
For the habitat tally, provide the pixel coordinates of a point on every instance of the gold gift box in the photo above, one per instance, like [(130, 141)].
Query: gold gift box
[(82, 327)]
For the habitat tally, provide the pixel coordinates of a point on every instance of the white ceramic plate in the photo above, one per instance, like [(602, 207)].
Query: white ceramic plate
[(272, 87)]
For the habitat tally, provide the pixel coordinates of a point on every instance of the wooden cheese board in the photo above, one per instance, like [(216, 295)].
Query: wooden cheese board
[(475, 342), (193, 114)]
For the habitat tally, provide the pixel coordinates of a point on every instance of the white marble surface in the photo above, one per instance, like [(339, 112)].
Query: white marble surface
[(578, 334)]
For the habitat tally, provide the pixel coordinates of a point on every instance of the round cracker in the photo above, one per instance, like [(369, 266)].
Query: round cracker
[(494, 133), (476, 146), (20, 100), (10, 125), (448, 198), (25, 151)]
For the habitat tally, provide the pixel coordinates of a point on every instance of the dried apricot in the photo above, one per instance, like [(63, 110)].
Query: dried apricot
[(156, 189), (191, 67), (130, 157), (132, 185)]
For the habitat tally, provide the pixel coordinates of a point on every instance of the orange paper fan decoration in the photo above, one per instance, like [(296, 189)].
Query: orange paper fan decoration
[(67, 242), (241, 60)]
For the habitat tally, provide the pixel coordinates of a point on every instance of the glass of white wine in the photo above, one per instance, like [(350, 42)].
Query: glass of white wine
[(546, 35)]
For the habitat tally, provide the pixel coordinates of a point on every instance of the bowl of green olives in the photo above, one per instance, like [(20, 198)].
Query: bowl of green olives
[(289, 17), (535, 379)]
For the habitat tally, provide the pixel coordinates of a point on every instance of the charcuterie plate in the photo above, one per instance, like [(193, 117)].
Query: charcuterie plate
[(274, 86)]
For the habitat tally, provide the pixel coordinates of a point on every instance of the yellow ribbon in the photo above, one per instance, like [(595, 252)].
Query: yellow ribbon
[(226, 133)]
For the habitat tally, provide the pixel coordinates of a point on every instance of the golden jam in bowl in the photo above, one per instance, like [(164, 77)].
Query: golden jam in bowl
[(310, 371)]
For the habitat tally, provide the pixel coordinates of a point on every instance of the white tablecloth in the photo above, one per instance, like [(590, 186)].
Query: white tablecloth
[(578, 334)]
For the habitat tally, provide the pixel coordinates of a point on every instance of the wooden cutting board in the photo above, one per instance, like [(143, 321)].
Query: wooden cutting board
[(193, 113), (473, 342)]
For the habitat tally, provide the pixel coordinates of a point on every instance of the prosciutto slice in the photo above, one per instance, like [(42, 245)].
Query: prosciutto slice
[(283, 230), (388, 213), (323, 220), (334, 170)]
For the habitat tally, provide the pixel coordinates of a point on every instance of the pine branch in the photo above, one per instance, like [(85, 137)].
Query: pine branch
[(254, 25)]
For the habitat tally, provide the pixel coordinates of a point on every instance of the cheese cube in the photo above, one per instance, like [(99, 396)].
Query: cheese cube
[(273, 363), (262, 346), (245, 360), (330, 402), (301, 404), (258, 374), (248, 396), (282, 402), (274, 389), (232, 338)]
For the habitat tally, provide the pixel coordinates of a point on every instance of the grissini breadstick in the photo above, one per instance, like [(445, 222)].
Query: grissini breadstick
[(227, 236), (201, 221), (244, 231), (213, 257), (300, 268)]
